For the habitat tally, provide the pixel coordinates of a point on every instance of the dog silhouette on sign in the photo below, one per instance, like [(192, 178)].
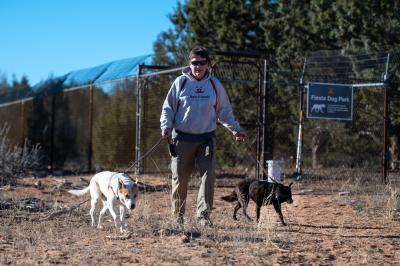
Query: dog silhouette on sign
[(318, 108)]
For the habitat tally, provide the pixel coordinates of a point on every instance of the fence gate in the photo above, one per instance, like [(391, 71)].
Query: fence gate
[(354, 145), (244, 79)]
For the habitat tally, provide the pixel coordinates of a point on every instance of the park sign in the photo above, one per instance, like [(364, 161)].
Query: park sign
[(330, 101)]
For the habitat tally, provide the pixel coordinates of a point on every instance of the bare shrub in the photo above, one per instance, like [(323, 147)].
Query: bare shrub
[(392, 201), (16, 161)]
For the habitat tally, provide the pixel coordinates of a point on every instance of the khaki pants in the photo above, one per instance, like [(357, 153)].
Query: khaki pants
[(189, 153)]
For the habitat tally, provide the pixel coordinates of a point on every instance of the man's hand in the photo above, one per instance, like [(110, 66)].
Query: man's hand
[(240, 136), (165, 133)]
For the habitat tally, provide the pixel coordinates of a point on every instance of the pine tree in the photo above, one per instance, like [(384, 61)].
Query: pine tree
[(288, 30)]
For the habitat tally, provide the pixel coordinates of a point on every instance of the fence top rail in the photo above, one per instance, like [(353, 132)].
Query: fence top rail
[(356, 85), (167, 71), (248, 54), (15, 102)]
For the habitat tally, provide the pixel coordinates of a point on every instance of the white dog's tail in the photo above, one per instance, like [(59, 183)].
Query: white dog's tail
[(79, 192)]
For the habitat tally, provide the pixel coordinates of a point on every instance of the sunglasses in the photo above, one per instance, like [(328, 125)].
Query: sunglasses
[(199, 63)]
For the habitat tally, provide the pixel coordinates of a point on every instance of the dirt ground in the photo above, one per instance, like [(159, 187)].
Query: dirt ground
[(328, 224)]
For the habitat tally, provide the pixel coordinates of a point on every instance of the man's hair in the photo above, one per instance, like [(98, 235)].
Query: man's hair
[(199, 51)]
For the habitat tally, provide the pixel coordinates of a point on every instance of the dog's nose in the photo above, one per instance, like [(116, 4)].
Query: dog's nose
[(133, 206)]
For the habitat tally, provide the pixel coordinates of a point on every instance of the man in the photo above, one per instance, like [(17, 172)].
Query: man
[(194, 104)]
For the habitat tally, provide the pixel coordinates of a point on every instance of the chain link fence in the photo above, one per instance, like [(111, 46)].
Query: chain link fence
[(109, 125)]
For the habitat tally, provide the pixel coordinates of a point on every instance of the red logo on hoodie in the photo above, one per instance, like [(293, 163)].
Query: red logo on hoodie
[(199, 90)]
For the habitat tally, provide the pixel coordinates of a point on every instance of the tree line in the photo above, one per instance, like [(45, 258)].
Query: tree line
[(14, 90), (286, 31)]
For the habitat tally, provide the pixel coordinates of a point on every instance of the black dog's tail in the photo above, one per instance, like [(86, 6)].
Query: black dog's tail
[(231, 197)]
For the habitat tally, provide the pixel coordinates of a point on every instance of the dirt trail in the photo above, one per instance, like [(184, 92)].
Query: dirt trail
[(324, 228)]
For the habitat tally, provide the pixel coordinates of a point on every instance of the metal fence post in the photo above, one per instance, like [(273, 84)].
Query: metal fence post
[(52, 131), (299, 153), (260, 111), (265, 139), (385, 157), (22, 119), (90, 142), (138, 121), (387, 88)]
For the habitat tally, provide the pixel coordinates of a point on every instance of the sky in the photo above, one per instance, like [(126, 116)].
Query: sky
[(43, 38)]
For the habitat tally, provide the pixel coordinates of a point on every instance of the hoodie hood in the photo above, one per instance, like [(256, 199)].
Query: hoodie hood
[(187, 73)]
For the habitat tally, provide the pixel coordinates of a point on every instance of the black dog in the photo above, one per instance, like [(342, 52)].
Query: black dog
[(261, 192)]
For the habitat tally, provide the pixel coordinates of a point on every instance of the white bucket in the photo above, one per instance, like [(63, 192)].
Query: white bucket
[(275, 172)]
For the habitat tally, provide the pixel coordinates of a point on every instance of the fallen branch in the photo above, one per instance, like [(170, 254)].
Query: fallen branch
[(68, 210), (279, 248), (121, 237), (23, 218), (86, 182)]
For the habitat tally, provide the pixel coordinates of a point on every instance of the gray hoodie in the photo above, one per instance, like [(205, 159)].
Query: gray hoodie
[(199, 106)]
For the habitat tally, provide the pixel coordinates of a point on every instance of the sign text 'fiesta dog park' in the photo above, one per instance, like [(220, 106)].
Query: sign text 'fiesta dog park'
[(330, 101)]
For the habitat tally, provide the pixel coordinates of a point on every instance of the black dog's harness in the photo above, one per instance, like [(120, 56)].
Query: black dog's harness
[(275, 191)]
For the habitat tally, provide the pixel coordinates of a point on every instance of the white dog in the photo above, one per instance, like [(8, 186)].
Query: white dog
[(111, 188)]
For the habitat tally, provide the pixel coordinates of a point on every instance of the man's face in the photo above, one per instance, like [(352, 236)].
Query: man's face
[(198, 66)]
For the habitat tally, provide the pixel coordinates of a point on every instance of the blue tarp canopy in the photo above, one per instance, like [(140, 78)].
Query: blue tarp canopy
[(109, 71)]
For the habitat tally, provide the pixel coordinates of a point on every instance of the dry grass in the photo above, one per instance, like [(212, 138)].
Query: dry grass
[(324, 228)]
